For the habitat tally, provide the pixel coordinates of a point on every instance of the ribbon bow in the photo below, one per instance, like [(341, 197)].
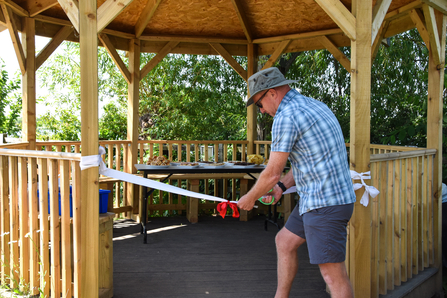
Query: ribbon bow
[(222, 209), (369, 190)]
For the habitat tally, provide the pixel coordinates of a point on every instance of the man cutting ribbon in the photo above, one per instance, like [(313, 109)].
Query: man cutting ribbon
[(307, 133)]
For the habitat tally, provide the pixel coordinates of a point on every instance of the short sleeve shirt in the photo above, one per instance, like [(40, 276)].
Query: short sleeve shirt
[(310, 132)]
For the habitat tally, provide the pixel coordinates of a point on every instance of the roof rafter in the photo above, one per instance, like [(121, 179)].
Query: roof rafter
[(340, 15), (440, 5), (277, 53), (71, 9), (154, 61), (432, 29), (243, 20), (230, 60), (16, 8), (145, 16), (36, 7), (379, 12), (335, 51), (12, 28), (108, 11), (51, 46), (115, 56), (418, 20)]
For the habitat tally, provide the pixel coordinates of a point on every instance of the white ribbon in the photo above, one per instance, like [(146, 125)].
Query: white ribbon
[(369, 190), (96, 160)]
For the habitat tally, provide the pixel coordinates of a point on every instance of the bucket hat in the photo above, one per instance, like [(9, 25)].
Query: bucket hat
[(265, 79)]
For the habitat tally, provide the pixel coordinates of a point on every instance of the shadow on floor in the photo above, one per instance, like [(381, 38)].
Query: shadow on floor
[(214, 258)]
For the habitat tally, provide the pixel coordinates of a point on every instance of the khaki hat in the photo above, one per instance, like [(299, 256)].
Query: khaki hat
[(265, 79)]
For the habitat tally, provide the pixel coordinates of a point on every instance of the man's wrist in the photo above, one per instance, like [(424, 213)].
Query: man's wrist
[(282, 186)]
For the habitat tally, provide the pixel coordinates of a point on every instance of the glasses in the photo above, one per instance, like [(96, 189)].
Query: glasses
[(258, 103)]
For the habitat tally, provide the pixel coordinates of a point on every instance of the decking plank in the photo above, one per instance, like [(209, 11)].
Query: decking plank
[(213, 258)]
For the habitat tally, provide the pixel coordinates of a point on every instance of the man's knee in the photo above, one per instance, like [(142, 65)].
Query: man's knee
[(287, 241)]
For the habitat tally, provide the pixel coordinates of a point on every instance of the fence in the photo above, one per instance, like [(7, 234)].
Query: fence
[(37, 249)]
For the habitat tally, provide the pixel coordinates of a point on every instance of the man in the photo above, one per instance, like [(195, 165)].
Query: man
[(307, 133)]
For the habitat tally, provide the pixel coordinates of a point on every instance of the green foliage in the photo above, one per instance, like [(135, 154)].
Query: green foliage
[(112, 125), (193, 97), (59, 125), (10, 103)]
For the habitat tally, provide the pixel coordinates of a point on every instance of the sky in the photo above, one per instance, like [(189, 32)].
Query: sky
[(7, 51)]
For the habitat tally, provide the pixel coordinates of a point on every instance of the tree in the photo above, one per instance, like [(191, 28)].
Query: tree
[(10, 103)]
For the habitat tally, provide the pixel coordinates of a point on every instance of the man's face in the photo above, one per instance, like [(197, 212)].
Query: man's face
[(264, 102)]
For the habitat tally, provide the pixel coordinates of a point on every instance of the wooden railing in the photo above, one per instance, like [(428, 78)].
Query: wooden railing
[(29, 191), (402, 217), (222, 185), (116, 158)]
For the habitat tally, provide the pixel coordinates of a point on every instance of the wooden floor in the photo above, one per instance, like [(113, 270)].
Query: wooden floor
[(214, 258)]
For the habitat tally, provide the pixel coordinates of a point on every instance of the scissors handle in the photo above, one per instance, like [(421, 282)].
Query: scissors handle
[(271, 202)]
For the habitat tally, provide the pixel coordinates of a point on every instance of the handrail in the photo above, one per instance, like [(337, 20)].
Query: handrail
[(15, 145), (41, 154), (401, 155)]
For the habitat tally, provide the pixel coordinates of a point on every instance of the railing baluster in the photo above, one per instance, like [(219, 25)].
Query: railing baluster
[(44, 228)]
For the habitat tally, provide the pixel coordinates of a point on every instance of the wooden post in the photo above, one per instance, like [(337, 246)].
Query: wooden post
[(434, 137), (29, 84), (360, 224), (192, 204), (251, 110), (132, 120), (243, 214), (88, 40)]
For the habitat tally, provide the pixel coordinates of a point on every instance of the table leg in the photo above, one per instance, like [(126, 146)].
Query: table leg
[(192, 204)]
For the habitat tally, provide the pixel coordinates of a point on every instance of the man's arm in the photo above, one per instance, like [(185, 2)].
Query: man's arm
[(267, 180)]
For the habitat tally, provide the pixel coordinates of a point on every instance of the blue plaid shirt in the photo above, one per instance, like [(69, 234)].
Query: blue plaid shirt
[(309, 131)]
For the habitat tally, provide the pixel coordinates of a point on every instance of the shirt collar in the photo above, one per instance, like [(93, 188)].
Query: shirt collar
[(286, 99)]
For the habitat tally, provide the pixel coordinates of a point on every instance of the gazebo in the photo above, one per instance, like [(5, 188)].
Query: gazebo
[(396, 239)]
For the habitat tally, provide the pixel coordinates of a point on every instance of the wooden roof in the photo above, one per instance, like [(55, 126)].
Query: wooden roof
[(196, 23)]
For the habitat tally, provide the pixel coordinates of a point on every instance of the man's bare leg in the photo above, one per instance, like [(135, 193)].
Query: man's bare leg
[(337, 279), (287, 245)]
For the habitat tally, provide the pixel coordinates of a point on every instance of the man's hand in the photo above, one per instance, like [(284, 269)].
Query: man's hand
[(245, 203), (276, 193)]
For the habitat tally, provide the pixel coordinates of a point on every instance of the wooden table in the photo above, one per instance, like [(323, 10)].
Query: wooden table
[(192, 207)]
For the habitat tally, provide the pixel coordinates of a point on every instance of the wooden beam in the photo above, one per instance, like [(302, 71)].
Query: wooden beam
[(335, 51), (88, 285), (435, 116), (440, 5), (29, 84), (115, 57), (193, 39), (360, 235), (154, 61), (245, 24), (51, 46), (277, 53), (2, 20), (432, 29), (230, 60), (133, 100), (403, 10), (145, 16), (379, 12), (418, 20), (252, 68), (17, 9), (108, 11), (340, 15), (10, 23), (35, 7), (71, 9)]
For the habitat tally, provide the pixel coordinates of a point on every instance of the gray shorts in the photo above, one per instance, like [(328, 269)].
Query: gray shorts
[(324, 230)]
